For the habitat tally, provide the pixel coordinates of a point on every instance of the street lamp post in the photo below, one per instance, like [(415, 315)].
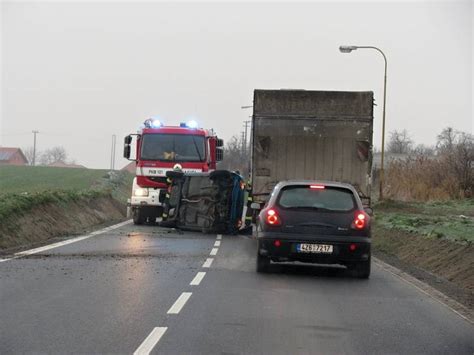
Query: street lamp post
[(348, 49)]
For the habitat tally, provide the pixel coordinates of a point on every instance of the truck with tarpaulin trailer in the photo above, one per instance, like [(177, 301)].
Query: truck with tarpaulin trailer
[(311, 135)]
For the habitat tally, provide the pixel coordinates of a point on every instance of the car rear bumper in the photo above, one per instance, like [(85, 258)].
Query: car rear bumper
[(346, 249)]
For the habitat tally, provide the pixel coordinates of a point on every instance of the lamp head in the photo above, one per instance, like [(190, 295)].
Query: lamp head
[(347, 49)]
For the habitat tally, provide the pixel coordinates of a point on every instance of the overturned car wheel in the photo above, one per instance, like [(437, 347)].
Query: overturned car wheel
[(218, 174), (174, 174)]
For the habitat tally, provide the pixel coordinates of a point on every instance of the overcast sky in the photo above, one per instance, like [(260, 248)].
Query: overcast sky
[(80, 72)]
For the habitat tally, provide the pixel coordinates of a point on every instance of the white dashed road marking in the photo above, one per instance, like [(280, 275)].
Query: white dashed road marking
[(151, 340), (198, 278), (180, 302), (208, 263)]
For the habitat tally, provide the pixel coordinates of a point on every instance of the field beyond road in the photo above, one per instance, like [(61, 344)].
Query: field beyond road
[(18, 179)]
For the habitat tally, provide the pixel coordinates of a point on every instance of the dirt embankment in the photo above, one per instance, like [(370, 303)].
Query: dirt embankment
[(53, 220), (446, 265)]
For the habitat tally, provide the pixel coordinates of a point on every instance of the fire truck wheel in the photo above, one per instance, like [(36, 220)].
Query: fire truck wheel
[(138, 217)]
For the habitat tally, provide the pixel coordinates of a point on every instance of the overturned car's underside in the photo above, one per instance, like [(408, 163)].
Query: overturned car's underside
[(207, 202)]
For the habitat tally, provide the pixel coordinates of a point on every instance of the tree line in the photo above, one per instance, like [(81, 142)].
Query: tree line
[(57, 154)]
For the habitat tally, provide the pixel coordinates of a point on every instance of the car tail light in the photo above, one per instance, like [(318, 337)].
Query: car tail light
[(317, 187), (277, 243), (360, 220), (272, 218)]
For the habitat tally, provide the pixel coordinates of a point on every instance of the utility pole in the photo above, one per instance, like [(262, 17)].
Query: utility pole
[(242, 138), (112, 153), (246, 125), (34, 146)]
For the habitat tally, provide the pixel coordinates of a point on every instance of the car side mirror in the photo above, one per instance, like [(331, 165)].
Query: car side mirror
[(127, 139), (369, 211), (219, 142)]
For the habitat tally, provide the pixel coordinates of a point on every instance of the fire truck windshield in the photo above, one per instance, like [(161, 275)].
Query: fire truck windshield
[(172, 147)]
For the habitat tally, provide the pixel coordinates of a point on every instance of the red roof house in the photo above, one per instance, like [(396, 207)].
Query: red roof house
[(12, 156)]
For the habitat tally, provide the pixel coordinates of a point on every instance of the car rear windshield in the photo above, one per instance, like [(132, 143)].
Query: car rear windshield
[(321, 198)]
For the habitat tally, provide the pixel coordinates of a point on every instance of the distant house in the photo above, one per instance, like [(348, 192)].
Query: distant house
[(12, 156), (60, 164), (130, 167)]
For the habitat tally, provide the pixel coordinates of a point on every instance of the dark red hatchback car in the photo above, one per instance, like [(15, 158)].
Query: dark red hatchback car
[(316, 222)]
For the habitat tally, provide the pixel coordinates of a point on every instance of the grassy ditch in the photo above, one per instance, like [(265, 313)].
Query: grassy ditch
[(432, 239), (451, 220), (39, 203)]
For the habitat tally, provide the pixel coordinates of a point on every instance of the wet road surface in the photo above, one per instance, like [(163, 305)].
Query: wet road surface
[(144, 288)]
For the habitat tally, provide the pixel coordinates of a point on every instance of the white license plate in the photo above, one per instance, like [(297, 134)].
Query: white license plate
[(314, 248)]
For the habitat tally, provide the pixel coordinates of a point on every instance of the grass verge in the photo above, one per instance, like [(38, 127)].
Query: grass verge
[(432, 241)]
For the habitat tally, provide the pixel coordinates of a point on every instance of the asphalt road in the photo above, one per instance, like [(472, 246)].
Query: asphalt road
[(135, 289)]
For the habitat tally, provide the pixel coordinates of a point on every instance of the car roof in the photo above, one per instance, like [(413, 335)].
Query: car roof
[(314, 182), (336, 184)]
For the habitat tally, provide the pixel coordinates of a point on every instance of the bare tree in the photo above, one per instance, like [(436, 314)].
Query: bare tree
[(29, 153), (426, 150), (53, 155), (446, 139), (461, 160), (235, 157), (400, 142)]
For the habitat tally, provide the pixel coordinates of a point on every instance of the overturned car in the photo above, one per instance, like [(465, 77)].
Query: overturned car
[(207, 202)]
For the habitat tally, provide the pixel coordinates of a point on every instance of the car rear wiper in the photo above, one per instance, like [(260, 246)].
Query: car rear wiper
[(308, 208), (316, 224)]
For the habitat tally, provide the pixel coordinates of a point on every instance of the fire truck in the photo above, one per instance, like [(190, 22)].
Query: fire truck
[(161, 148)]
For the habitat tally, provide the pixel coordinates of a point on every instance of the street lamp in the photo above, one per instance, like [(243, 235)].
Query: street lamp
[(348, 49)]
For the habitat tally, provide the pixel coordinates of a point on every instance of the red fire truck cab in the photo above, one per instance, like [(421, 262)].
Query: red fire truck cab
[(161, 148)]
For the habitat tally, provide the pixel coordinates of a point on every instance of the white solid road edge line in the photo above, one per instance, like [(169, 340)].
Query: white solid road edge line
[(151, 340), (214, 251), (433, 293), (208, 263), (180, 302), (198, 278), (217, 243), (219, 236), (2, 260), (70, 241)]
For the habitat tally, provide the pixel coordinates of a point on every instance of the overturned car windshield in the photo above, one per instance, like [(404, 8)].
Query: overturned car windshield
[(172, 147), (323, 198)]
